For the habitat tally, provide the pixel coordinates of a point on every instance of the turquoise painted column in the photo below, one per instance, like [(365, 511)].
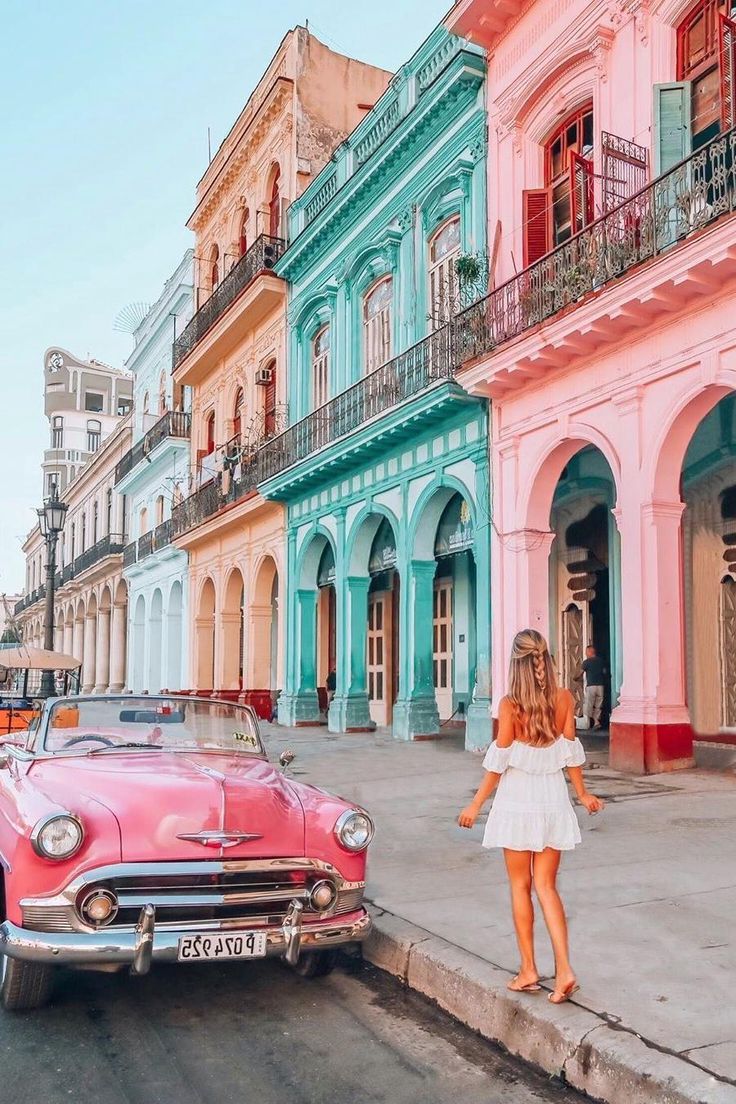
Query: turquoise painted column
[(415, 712), (479, 723), (614, 607), (299, 703), (350, 711)]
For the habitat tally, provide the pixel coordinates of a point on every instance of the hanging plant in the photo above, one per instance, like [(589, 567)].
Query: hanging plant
[(468, 267)]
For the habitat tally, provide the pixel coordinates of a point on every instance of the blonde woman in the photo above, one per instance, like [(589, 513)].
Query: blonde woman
[(532, 817)]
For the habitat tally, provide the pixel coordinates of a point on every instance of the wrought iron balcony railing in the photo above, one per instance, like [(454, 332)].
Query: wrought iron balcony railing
[(130, 554), (145, 545), (399, 379), (262, 255), (214, 496), (174, 423), (110, 545), (668, 210), (162, 535)]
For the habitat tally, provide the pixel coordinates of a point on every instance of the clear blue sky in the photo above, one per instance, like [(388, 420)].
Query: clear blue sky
[(105, 115)]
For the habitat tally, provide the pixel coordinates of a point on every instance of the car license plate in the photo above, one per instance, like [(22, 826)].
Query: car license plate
[(197, 948)]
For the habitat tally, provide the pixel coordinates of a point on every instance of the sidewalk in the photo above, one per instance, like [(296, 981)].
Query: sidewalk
[(651, 898)]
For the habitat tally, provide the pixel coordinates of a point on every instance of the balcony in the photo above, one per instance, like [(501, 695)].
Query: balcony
[(110, 545), (145, 545), (424, 373), (30, 599), (174, 423), (214, 497), (162, 535), (210, 322), (130, 554), (556, 302)]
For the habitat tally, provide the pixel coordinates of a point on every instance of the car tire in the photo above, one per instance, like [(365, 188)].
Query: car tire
[(24, 985), (314, 964)]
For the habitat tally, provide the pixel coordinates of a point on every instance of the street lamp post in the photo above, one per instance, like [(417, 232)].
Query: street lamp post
[(51, 522)]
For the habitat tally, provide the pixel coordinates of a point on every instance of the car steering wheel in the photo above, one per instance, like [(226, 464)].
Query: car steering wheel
[(88, 736)]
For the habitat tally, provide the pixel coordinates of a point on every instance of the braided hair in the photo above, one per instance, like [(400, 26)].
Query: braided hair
[(533, 688)]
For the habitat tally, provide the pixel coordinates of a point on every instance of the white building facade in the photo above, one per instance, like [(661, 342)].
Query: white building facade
[(153, 477)]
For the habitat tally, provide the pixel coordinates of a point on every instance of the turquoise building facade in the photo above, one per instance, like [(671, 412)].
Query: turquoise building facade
[(384, 467)]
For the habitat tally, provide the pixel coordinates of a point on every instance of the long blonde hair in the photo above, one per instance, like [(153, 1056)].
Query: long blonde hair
[(533, 688)]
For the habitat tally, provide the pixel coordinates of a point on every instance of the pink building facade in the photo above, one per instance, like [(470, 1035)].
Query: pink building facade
[(608, 349)]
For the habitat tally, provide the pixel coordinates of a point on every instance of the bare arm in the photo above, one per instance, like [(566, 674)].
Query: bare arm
[(592, 803), (491, 779)]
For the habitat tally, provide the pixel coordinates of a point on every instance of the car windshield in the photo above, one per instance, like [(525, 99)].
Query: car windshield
[(92, 726)]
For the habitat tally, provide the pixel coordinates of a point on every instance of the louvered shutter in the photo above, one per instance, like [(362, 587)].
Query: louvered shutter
[(672, 134), (269, 405), (581, 191), (537, 219), (727, 62)]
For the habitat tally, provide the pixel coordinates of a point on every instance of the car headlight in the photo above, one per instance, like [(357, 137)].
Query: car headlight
[(58, 836), (354, 830)]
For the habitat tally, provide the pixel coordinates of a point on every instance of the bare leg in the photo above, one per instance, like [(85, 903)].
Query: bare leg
[(519, 870), (545, 866)]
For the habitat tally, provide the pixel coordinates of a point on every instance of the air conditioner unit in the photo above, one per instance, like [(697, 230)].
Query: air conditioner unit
[(264, 376)]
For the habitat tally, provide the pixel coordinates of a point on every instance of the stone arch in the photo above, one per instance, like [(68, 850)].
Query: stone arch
[(137, 645), (544, 474), (362, 534), (174, 624), (232, 630), (263, 629), (90, 644), (664, 462), (155, 636), (310, 555), (205, 635), (428, 511)]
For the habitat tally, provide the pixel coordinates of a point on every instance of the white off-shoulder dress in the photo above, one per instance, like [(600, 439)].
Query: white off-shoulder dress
[(532, 809)]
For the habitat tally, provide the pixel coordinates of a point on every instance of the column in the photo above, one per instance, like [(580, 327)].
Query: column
[(479, 722), (227, 671), (257, 675), (67, 646), (88, 667), (350, 711), (650, 728), (415, 712), (117, 649), (302, 706), (102, 666), (78, 640)]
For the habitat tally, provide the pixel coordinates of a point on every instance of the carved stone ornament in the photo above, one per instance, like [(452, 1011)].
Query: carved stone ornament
[(406, 219), (477, 148), (600, 47)]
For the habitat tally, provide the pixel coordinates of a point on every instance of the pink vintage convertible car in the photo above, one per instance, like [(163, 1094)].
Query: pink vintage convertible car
[(154, 828)]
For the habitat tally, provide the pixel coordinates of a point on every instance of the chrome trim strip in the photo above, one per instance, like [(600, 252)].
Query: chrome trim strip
[(219, 839)]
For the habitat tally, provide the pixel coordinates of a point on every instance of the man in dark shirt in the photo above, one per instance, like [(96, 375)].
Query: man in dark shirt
[(331, 684), (594, 670)]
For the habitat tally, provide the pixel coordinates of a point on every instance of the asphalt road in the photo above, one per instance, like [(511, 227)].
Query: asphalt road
[(234, 1034)]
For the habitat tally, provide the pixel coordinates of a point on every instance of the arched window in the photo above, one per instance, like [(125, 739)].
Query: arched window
[(321, 367), (94, 435), (238, 412), (95, 523), (159, 509), (146, 402), (108, 511), (444, 249), (377, 324), (83, 532), (162, 394), (143, 522), (214, 267), (210, 433), (274, 205), (57, 432), (243, 243), (269, 403)]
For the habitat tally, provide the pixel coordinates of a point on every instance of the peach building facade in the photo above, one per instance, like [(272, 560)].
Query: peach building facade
[(608, 349), (232, 355)]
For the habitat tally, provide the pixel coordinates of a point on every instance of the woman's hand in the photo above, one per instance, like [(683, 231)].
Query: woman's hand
[(592, 803), (468, 816)]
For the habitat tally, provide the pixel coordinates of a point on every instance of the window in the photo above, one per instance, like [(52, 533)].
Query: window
[(162, 394), (93, 403), (95, 521), (698, 64), (564, 206), (321, 367), (269, 403), (143, 522), (94, 435), (274, 205), (444, 249), (83, 532), (146, 402), (124, 407), (377, 324), (52, 484), (57, 432), (71, 543), (159, 509), (108, 511), (238, 412), (243, 243), (210, 433), (214, 267)]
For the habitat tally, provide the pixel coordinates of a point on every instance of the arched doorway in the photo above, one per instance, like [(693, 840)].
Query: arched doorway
[(383, 644), (299, 702), (263, 630), (326, 628), (232, 622), (205, 638), (173, 633), (709, 560), (155, 643), (137, 646), (584, 575), (453, 610), (90, 646)]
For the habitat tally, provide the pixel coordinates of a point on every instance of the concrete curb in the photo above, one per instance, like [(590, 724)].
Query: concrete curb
[(602, 1059)]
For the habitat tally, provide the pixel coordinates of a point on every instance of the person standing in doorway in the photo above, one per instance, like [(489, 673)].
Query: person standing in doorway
[(331, 685), (594, 672)]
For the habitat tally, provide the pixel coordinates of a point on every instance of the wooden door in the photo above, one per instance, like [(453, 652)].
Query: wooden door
[(572, 652), (728, 652), (442, 647), (379, 659)]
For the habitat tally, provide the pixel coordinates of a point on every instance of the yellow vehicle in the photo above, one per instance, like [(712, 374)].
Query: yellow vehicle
[(21, 682)]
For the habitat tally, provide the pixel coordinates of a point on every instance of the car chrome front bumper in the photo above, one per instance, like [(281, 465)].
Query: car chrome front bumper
[(138, 948)]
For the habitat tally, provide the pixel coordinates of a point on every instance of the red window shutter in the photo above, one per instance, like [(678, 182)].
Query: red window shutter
[(269, 405), (274, 219), (537, 219), (727, 67), (581, 191)]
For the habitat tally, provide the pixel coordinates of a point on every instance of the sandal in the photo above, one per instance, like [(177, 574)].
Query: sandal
[(532, 987), (559, 996)]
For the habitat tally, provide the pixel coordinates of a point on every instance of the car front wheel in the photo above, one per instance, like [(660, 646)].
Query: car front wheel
[(314, 964), (24, 985)]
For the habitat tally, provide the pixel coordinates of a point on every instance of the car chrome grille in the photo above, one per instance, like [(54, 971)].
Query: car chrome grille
[(48, 919)]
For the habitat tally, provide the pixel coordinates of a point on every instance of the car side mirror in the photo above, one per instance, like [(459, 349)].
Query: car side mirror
[(286, 757), (4, 758)]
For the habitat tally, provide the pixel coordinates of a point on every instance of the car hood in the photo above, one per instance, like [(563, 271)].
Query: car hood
[(159, 797)]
